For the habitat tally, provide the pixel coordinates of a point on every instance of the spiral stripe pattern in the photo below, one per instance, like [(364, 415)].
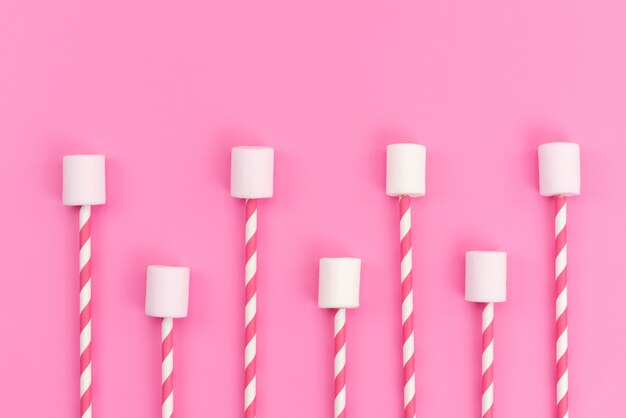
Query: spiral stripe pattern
[(167, 367), (562, 386), (408, 336), (250, 310), (487, 361), (85, 311), (340, 363)]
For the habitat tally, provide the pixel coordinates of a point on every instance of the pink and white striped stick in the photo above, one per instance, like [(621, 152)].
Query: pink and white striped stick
[(487, 360), (562, 385), (408, 335), (85, 311), (167, 367), (340, 363), (250, 310)]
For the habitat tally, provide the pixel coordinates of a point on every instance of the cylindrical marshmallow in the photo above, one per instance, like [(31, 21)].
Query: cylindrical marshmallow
[(406, 170), (485, 276), (559, 169), (339, 282), (83, 180), (167, 291), (252, 172)]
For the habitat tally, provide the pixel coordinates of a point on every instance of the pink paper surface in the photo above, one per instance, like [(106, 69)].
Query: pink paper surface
[(165, 89)]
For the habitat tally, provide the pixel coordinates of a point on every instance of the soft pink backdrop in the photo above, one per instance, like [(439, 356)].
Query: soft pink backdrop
[(165, 89)]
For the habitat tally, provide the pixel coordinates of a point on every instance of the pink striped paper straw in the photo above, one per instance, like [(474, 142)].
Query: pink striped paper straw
[(85, 310), (406, 178), (559, 176), (250, 311), (167, 368), (562, 384), (252, 178), (167, 297), (408, 337), (487, 361), (340, 363), (84, 186)]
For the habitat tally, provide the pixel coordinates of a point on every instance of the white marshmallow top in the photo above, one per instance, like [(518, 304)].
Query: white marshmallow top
[(406, 170), (339, 282), (83, 180), (559, 169), (252, 172), (485, 276), (167, 291)]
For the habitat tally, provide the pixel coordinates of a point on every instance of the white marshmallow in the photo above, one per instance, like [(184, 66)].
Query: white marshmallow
[(83, 180), (559, 169), (252, 172), (339, 282), (167, 291), (485, 276), (406, 170)]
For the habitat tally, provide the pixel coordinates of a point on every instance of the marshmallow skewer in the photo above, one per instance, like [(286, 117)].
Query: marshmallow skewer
[(339, 289), (84, 186), (252, 178), (167, 297), (406, 176), (485, 282), (559, 176)]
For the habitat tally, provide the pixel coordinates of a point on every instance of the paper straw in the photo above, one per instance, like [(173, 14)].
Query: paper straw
[(562, 385), (250, 310), (408, 336), (85, 311), (340, 363), (487, 360), (167, 367)]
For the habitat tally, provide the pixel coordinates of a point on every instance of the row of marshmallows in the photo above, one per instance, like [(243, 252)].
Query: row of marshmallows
[(252, 173), (252, 178), (167, 297)]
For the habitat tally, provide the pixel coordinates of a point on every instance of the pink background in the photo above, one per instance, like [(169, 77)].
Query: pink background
[(165, 89)]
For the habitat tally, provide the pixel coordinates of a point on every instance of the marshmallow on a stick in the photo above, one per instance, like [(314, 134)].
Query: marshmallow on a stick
[(559, 177), (339, 280), (485, 282), (406, 178), (251, 178), (84, 186), (167, 297)]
